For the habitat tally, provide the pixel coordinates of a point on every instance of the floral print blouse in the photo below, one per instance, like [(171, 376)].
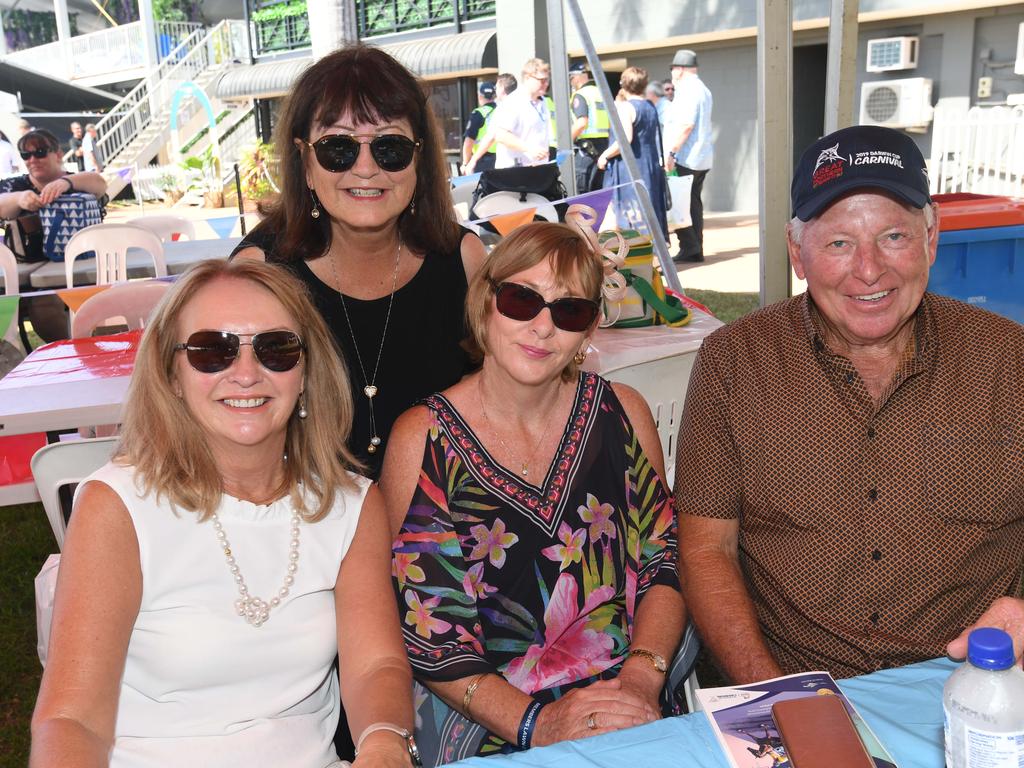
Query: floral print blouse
[(538, 584)]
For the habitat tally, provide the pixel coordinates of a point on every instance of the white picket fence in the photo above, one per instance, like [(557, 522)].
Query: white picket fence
[(978, 150)]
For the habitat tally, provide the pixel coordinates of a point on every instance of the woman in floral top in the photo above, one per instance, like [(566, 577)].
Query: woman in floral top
[(536, 556)]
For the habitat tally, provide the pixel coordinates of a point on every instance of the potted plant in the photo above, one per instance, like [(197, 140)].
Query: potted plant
[(169, 187), (254, 166), (203, 173)]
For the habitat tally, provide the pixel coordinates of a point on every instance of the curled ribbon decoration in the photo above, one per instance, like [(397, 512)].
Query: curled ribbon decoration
[(614, 286)]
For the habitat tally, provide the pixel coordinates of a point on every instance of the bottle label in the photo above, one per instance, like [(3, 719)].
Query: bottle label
[(968, 746)]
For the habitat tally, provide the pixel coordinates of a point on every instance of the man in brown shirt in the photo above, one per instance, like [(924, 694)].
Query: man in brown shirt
[(850, 472)]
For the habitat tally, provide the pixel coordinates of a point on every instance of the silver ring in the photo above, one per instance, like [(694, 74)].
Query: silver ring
[(591, 722)]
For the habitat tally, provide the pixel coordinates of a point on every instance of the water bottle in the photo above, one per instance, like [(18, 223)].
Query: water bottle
[(983, 705)]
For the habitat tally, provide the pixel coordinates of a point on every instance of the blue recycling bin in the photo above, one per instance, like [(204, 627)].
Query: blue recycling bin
[(983, 266)]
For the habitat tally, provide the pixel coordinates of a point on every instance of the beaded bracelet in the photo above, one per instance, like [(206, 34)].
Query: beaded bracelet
[(528, 723), (470, 690)]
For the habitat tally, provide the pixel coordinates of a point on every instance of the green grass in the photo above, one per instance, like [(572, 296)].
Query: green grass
[(25, 543), (725, 306)]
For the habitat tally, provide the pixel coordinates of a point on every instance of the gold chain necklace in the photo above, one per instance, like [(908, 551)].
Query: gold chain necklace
[(370, 389), (524, 463)]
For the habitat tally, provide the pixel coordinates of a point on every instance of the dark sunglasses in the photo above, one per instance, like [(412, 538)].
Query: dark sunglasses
[(338, 152), (215, 351), (517, 302), (36, 153)]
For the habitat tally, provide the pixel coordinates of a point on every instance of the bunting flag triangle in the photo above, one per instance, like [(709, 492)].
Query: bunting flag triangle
[(506, 222), (598, 200), (74, 298), (125, 173), (223, 226), (8, 312)]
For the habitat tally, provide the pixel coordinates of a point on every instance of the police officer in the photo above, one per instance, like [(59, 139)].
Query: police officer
[(476, 129), (589, 128)]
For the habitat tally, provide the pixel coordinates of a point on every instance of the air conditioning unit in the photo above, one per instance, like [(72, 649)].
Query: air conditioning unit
[(888, 54), (897, 103), (1018, 67)]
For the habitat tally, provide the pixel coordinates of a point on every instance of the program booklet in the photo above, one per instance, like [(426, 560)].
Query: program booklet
[(742, 719)]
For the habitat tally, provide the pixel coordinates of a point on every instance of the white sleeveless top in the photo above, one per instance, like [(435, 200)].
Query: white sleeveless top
[(201, 686)]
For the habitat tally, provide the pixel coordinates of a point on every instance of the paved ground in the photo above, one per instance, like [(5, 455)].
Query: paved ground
[(730, 244)]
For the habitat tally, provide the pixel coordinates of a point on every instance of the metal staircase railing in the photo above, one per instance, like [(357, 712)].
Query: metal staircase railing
[(151, 98)]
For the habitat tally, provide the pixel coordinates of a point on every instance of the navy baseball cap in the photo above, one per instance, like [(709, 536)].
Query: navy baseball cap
[(856, 157), (487, 90), (579, 68)]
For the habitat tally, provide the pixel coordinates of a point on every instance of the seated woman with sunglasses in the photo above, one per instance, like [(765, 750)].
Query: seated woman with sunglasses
[(46, 179), (365, 220), (216, 565), (536, 553)]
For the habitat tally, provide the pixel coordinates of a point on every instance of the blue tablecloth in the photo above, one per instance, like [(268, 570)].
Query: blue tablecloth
[(903, 707)]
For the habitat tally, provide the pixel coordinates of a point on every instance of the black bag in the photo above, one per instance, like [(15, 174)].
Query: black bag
[(540, 180), (24, 236)]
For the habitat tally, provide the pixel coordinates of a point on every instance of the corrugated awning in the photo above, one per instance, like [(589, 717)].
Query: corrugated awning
[(432, 58)]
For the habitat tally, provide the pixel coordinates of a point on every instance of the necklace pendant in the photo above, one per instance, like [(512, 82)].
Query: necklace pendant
[(374, 442), (525, 470), (370, 391)]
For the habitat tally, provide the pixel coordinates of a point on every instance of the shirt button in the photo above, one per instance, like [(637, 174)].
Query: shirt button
[(871, 432), (874, 617), (876, 555), (850, 378), (873, 494)]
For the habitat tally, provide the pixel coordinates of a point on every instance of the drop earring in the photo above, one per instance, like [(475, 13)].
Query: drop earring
[(303, 413), (412, 208), (579, 357), (315, 213)]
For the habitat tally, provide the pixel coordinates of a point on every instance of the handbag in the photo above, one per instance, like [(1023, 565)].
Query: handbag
[(62, 218), (24, 237), (679, 210), (664, 176), (645, 302)]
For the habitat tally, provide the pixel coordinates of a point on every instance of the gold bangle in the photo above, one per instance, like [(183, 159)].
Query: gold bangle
[(470, 690)]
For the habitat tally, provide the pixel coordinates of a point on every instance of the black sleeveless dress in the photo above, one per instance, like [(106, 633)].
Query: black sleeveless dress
[(422, 351)]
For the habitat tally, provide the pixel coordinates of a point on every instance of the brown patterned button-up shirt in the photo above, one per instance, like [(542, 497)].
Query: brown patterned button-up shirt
[(869, 536)]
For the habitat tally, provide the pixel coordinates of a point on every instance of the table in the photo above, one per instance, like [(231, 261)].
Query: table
[(179, 256), (68, 384), (82, 382), (903, 707)]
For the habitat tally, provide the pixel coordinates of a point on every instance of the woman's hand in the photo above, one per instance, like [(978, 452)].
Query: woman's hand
[(606, 705), (29, 200), (53, 190)]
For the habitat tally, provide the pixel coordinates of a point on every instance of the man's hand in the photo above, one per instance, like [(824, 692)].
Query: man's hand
[(540, 155), (1007, 614), (468, 168), (670, 162)]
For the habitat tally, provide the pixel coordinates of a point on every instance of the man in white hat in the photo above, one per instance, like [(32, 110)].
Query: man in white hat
[(689, 146)]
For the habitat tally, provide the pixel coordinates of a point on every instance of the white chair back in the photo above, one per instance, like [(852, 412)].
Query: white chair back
[(60, 464), (9, 269), (166, 227), (132, 301), (111, 242)]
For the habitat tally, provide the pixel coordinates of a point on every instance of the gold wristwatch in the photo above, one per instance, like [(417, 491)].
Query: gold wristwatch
[(656, 659)]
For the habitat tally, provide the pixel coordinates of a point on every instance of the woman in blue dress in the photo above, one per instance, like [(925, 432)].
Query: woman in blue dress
[(640, 123)]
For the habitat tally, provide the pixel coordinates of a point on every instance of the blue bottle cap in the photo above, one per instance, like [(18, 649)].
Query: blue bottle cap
[(990, 648)]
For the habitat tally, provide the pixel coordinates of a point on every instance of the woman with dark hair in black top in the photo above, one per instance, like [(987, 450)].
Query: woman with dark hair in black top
[(365, 220)]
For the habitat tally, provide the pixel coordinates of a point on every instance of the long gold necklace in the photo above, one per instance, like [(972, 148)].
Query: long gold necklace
[(370, 389), (524, 463)]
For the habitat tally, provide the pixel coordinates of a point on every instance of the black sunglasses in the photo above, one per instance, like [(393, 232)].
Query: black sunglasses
[(36, 153), (215, 351), (518, 302), (338, 152)]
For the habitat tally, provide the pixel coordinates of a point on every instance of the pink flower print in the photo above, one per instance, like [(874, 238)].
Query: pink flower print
[(403, 569), (570, 550), (491, 543), (419, 615), (571, 651), (464, 636), (473, 582), (599, 517)]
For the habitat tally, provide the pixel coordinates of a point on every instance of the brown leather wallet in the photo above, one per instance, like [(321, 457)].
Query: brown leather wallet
[(818, 732)]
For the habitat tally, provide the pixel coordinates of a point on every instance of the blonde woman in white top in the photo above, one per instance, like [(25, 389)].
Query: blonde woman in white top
[(215, 567)]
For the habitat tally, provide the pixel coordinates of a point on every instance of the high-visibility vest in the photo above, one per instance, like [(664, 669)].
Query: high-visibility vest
[(550, 104), (485, 110), (597, 115)]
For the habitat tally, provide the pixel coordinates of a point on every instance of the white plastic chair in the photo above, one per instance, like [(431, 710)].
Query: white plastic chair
[(111, 242), (60, 464), (132, 302), (498, 203), (165, 227), (9, 269)]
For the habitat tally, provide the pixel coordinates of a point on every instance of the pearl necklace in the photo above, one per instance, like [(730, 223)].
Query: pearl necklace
[(370, 390), (252, 608)]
